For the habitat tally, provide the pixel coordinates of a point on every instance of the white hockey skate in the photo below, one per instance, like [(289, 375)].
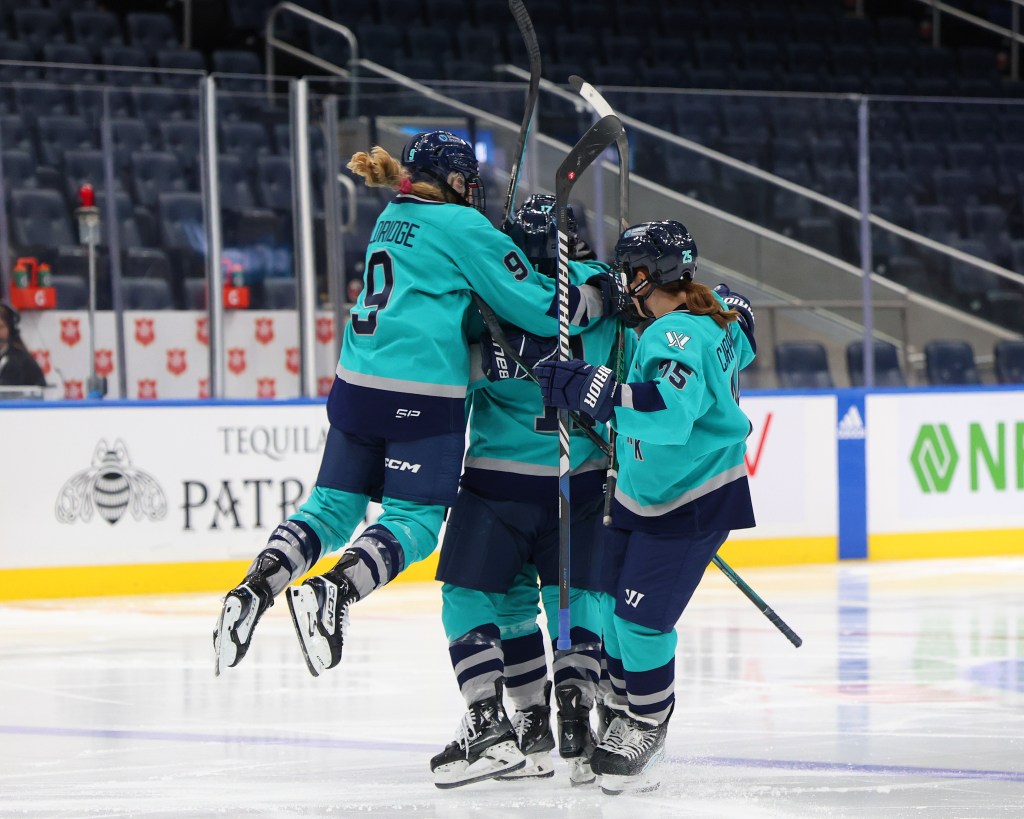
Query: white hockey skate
[(243, 607), (629, 758), (484, 748)]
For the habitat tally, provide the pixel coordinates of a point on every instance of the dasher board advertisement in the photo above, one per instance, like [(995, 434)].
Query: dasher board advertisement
[(99, 485), (946, 473)]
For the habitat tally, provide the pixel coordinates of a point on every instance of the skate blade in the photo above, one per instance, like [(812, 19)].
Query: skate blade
[(224, 649), (580, 772), (618, 785), (500, 759), (303, 609), (538, 766)]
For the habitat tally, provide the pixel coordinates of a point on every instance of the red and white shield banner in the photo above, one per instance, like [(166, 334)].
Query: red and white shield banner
[(144, 333), (204, 388), (74, 390), (177, 362), (69, 332), (264, 330), (266, 388), (147, 388), (104, 362), (324, 384), (324, 330), (42, 358), (291, 359), (236, 360), (203, 330)]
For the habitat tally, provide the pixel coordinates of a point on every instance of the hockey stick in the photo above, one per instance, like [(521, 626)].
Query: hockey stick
[(601, 107), (590, 146), (533, 51), (751, 595)]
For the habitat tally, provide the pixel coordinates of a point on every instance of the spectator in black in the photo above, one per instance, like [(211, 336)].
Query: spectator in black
[(17, 366)]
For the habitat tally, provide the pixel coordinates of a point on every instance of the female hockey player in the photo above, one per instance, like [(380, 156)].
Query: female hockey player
[(503, 532), (397, 409), (682, 480)]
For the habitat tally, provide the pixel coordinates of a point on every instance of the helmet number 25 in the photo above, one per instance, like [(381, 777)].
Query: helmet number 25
[(380, 282)]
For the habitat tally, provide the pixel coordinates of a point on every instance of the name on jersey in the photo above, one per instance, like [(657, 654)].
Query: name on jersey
[(396, 232), (726, 352)]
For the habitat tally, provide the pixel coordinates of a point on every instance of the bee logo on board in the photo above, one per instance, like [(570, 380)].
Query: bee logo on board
[(109, 487)]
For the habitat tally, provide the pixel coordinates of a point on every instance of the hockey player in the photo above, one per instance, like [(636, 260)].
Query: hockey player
[(503, 533), (682, 480), (397, 407)]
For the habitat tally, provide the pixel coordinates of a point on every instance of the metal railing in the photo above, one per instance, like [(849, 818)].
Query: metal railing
[(1012, 34)]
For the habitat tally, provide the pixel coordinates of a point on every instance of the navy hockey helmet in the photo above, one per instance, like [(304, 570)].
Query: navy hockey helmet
[(665, 250), (435, 155), (534, 227)]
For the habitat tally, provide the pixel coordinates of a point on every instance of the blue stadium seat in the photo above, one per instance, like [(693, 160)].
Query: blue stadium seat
[(182, 63), (72, 64), (887, 364), (38, 27), (183, 139), (19, 169), (43, 100), (274, 183), (18, 52), (146, 294), (802, 365), (58, 134), (950, 362), (151, 31), (39, 218), (246, 139), (96, 30), (279, 293), (72, 292), (155, 173), (1009, 362)]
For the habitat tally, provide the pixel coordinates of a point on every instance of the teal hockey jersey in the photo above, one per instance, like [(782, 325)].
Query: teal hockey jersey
[(682, 434), (404, 364), (513, 437)]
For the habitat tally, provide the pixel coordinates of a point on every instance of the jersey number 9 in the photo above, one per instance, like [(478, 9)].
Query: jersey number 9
[(380, 282)]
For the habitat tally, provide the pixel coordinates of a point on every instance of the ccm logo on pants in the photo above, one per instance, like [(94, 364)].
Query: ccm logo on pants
[(401, 466)]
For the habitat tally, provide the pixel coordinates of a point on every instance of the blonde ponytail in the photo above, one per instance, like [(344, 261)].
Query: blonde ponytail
[(381, 170)]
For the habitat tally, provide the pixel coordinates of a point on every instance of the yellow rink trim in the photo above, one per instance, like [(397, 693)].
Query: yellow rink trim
[(169, 578), (916, 545)]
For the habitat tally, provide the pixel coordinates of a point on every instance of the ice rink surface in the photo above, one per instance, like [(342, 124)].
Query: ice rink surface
[(906, 700)]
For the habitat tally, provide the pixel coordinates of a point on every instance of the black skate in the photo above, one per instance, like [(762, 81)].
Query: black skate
[(243, 607), (484, 747), (576, 741), (532, 727), (628, 758), (319, 609)]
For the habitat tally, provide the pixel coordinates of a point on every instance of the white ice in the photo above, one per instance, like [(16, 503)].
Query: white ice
[(904, 701)]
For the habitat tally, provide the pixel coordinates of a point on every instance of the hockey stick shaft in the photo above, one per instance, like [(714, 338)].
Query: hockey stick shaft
[(526, 29), (590, 146), (601, 107), (752, 596)]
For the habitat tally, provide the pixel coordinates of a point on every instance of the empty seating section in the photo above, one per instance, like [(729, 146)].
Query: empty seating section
[(951, 172)]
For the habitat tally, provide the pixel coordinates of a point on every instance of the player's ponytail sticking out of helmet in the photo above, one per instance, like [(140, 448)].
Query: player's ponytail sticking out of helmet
[(534, 227), (667, 255), (435, 165)]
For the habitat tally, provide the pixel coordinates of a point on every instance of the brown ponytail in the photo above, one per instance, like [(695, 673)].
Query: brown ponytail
[(381, 170), (701, 301)]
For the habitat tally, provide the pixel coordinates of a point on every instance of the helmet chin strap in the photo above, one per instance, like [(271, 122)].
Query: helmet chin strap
[(635, 293)]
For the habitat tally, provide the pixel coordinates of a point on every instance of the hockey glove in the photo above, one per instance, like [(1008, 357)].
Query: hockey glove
[(615, 301), (741, 304), (579, 386), (499, 365)]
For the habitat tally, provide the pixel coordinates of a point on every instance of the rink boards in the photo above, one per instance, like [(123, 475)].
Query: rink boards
[(134, 497)]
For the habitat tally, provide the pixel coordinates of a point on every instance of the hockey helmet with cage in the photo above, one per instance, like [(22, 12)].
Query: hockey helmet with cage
[(665, 250), (534, 227), (434, 155)]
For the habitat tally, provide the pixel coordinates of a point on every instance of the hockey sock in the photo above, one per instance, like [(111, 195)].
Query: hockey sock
[(294, 547), (648, 664), (580, 664), (379, 559), (526, 669), (478, 662)]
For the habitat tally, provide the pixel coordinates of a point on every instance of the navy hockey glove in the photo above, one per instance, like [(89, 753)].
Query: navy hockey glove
[(741, 304), (615, 301), (578, 386), (499, 366)]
